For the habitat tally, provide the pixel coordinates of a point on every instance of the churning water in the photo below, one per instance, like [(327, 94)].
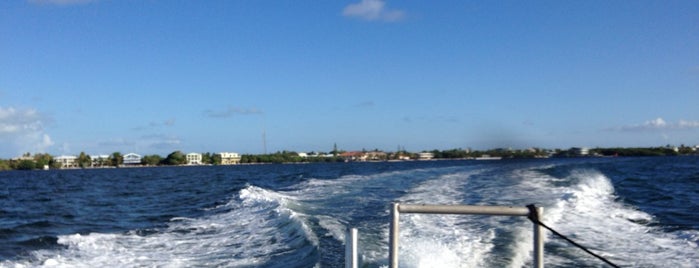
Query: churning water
[(637, 212)]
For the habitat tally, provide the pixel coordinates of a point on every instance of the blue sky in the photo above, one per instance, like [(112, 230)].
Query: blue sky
[(152, 77)]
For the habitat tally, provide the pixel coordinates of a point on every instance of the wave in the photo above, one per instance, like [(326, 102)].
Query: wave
[(584, 206), (256, 228), (361, 201), (303, 224), (42, 241), (581, 203), (443, 240)]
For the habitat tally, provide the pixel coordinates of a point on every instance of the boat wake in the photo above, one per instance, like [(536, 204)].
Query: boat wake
[(303, 225), (255, 229), (583, 205)]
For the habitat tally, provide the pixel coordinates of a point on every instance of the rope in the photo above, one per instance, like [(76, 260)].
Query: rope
[(534, 217)]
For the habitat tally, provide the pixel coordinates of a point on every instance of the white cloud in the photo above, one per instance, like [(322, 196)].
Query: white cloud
[(688, 124), (372, 10), (22, 130), (661, 124)]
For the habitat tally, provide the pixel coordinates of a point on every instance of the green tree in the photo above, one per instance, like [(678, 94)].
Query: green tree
[(101, 162), (116, 159), (151, 160), (44, 160), (685, 149), (206, 158), (4, 165), (84, 160), (216, 159), (26, 165), (175, 158)]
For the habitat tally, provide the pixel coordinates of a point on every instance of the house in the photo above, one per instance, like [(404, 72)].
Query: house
[(353, 156), (403, 157), (99, 160), (580, 151), (193, 158), (425, 156), (132, 159), (228, 158), (364, 156), (376, 155), (67, 161)]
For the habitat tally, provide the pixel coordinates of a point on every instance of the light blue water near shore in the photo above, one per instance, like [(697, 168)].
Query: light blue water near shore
[(638, 212)]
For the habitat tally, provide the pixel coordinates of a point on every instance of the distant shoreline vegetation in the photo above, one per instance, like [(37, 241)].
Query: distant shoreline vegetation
[(177, 158)]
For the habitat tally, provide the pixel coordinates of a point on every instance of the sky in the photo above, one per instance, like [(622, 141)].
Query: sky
[(152, 77)]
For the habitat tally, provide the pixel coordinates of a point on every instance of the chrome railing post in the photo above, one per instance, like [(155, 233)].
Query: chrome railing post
[(351, 254), (539, 240), (393, 235)]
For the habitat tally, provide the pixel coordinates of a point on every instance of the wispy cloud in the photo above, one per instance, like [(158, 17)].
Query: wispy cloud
[(170, 144), (23, 130), (659, 124), (117, 143), (373, 10), (365, 104), (437, 118), (166, 123), (60, 2), (145, 143), (694, 70), (161, 141), (155, 124), (231, 111)]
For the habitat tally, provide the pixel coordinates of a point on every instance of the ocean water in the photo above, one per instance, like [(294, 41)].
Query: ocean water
[(637, 212)]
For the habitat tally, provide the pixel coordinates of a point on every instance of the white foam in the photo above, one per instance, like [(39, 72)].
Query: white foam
[(254, 228), (335, 228), (582, 205), (259, 226), (443, 240), (589, 212)]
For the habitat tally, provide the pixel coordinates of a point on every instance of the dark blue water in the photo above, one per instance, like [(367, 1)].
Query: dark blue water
[(639, 212)]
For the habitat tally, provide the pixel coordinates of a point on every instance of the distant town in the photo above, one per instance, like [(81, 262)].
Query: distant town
[(45, 161)]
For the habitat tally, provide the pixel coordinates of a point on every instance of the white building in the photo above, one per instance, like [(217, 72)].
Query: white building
[(132, 159), (67, 161), (193, 159), (229, 158), (99, 160), (580, 151), (425, 156)]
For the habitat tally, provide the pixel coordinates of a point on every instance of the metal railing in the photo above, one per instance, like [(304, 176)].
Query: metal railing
[(394, 232), (351, 254)]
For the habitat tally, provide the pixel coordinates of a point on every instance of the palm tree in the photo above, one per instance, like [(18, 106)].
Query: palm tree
[(116, 159)]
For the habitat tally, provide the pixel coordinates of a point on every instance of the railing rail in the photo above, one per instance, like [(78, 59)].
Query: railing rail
[(397, 209)]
